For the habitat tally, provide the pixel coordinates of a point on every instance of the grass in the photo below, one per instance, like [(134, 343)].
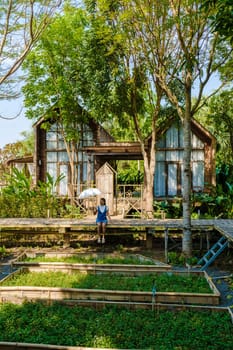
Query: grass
[(165, 282), (92, 259), (113, 327)]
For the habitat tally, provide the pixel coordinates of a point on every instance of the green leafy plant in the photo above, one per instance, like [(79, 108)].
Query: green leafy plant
[(175, 258), (93, 259), (115, 327), (21, 198), (166, 282), (172, 209), (3, 252)]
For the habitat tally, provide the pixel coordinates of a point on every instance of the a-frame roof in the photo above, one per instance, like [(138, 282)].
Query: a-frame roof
[(132, 150)]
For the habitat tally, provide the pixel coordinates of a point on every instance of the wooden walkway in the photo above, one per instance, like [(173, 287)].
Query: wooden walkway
[(37, 225)]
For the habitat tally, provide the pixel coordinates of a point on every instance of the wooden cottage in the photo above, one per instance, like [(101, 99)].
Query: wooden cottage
[(25, 164), (169, 159), (51, 154), (96, 147)]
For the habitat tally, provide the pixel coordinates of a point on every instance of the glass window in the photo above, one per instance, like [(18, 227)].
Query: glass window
[(63, 157), (52, 170), (160, 155), (84, 172), (172, 179), (51, 156), (61, 144), (172, 156), (51, 145), (196, 142), (181, 136), (63, 183), (172, 137), (80, 156), (51, 136), (198, 176), (160, 180), (161, 142), (180, 156), (197, 155)]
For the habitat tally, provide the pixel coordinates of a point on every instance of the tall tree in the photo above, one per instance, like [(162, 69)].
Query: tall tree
[(173, 39), (196, 55), (133, 90), (222, 17), (54, 80), (21, 24)]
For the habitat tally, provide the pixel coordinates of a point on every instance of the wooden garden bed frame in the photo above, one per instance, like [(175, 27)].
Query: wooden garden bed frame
[(130, 269), (18, 294)]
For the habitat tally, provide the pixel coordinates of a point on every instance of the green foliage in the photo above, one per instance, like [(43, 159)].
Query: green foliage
[(166, 282), (3, 252), (222, 19), (93, 259), (216, 204), (180, 259), (172, 209), (115, 327), (129, 173), (217, 116), (20, 198), (70, 211), (54, 75)]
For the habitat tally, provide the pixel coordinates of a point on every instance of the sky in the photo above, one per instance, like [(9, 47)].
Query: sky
[(10, 130)]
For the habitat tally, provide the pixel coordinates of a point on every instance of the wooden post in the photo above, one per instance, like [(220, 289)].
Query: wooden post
[(201, 241), (166, 244), (66, 236), (149, 239), (207, 241)]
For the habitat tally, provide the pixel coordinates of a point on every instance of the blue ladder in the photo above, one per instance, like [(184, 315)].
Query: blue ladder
[(212, 254)]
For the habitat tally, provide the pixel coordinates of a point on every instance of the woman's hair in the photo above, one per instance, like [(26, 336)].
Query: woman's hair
[(103, 200)]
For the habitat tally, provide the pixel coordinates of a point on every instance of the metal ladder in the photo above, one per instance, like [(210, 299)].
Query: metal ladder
[(212, 254)]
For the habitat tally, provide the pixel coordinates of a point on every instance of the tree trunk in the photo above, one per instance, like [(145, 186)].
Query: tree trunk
[(187, 233), (149, 157), (148, 193)]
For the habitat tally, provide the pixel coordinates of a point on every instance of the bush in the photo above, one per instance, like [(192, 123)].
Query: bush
[(20, 198), (180, 259)]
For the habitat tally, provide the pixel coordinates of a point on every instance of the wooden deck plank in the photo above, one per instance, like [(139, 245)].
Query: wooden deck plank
[(224, 227)]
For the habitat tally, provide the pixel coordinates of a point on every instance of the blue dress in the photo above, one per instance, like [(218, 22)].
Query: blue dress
[(102, 215)]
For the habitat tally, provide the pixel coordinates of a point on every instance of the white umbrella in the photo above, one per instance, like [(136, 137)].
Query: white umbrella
[(89, 192)]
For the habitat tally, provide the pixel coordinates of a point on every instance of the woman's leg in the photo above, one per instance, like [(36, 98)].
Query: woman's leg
[(99, 229), (103, 231)]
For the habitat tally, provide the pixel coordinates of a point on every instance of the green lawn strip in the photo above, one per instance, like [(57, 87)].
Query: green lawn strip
[(115, 327), (91, 259), (163, 282)]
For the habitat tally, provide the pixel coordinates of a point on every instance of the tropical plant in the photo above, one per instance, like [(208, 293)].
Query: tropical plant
[(20, 198)]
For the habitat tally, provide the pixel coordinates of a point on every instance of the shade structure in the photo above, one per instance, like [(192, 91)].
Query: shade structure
[(89, 192)]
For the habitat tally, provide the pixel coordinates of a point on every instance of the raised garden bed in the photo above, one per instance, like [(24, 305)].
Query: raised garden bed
[(89, 258), (114, 327), (172, 287), (130, 264)]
